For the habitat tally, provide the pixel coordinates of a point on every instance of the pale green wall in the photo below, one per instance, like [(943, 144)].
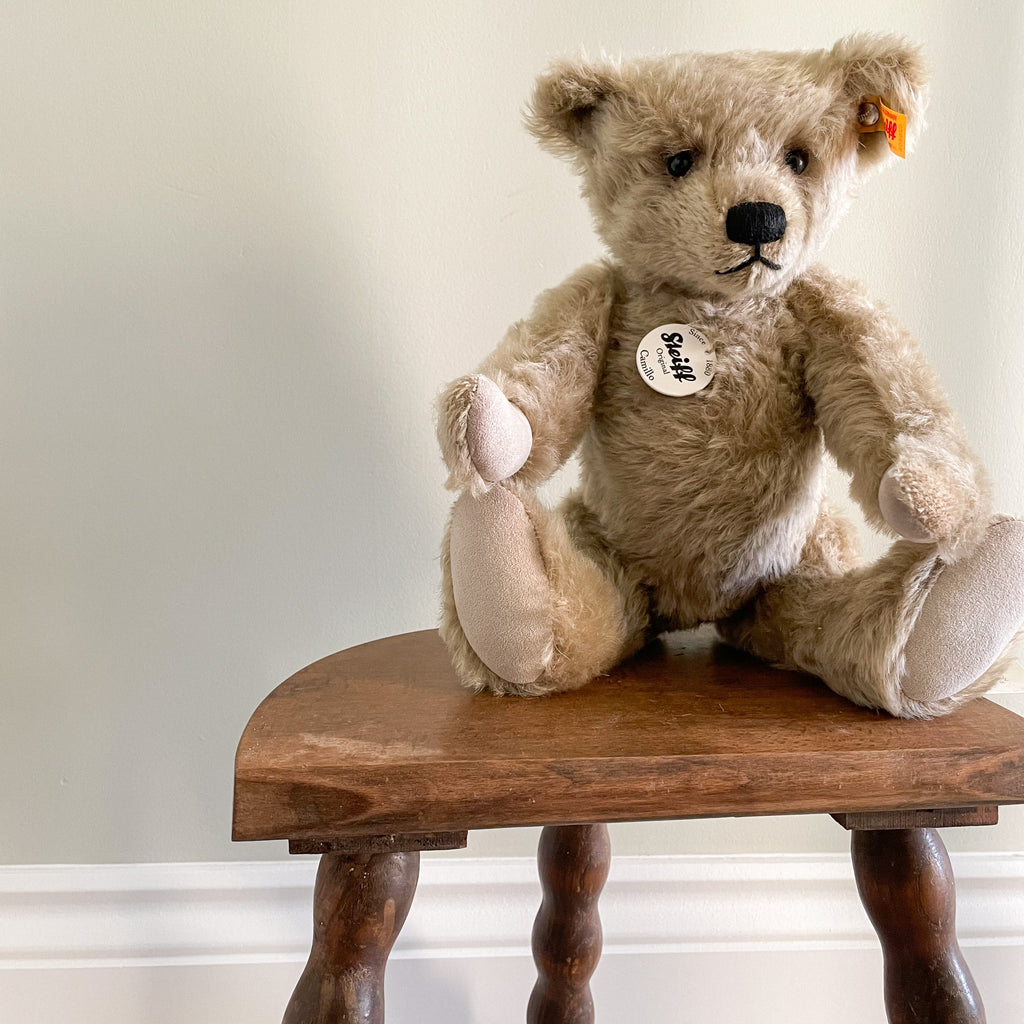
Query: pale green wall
[(241, 246)]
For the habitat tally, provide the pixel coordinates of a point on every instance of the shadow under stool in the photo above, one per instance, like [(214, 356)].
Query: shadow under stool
[(376, 753)]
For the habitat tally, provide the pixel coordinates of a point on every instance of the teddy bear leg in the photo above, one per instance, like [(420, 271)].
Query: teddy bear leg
[(532, 604), (909, 634)]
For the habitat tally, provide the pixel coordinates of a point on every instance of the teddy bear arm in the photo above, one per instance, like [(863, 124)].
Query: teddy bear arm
[(886, 419), (524, 411)]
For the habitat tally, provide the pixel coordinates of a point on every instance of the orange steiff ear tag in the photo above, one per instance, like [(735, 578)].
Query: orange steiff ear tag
[(874, 116)]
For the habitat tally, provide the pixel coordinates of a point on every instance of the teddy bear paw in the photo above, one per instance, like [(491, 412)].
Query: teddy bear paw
[(482, 433), (899, 510), (933, 500)]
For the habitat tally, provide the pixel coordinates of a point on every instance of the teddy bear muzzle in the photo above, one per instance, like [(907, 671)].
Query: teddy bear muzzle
[(754, 224)]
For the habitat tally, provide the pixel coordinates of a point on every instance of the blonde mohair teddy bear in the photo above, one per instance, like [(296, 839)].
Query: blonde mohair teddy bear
[(703, 369)]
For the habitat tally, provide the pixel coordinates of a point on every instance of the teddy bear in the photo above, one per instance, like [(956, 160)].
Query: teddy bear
[(703, 369)]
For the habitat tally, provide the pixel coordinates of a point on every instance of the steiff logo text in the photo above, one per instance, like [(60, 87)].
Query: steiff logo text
[(681, 368)]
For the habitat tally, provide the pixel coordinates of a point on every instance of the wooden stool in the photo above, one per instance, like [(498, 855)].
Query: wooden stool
[(373, 754)]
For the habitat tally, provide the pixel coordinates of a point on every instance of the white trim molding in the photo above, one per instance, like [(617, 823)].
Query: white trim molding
[(93, 916), (1012, 679)]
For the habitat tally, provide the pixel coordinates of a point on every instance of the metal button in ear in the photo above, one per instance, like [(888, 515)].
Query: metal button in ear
[(868, 114)]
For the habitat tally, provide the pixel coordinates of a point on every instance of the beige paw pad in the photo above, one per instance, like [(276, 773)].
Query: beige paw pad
[(497, 433), (501, 588), (974, 609)]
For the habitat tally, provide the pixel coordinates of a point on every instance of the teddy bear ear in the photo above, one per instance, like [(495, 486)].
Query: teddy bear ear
[(890, 68), (565, 99)]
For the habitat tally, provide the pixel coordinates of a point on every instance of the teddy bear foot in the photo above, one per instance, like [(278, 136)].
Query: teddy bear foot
[(500, 587), (973, 612), (528, 611)]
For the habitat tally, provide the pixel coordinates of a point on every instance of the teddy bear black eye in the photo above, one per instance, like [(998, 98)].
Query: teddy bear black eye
[(796, 159), (680, 163)]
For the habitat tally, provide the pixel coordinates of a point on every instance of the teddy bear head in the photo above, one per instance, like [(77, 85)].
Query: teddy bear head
[(723, 174)]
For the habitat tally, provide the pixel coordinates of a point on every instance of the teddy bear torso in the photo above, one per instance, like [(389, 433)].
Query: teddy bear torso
[(706, 495)]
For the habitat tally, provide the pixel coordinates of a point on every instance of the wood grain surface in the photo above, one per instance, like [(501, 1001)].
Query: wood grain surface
[(408, 842), (906, 885), (359, 906), (381, 739), (946, 817), (573, 862)]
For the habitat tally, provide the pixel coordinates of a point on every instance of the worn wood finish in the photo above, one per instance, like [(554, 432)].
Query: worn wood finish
[(382, 739), (906, 884), (359, 906), (573, 861), (948, 817), (382, 844)]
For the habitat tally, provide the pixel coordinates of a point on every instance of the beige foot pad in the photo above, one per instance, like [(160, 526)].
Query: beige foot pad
[(501, 588), (973, 611)]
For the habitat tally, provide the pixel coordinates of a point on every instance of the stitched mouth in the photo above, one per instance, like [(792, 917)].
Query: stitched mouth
[(755, 258)]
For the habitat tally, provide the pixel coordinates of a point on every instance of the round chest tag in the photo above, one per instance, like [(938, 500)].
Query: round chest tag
[(676, 359)]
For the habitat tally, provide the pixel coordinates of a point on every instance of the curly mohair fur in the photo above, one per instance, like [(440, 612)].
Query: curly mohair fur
[(709, 507)]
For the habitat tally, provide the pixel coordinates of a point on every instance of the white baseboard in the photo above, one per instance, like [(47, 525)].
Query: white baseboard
[(96, 916), (1012, 680), (777, 939)]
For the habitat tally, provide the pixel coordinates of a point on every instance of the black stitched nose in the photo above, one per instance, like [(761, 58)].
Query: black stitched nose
[(755, 223)]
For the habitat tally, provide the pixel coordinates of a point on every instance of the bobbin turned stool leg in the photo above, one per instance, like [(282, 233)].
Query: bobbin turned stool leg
[(359, 906), (573, 861), (906, 885)]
